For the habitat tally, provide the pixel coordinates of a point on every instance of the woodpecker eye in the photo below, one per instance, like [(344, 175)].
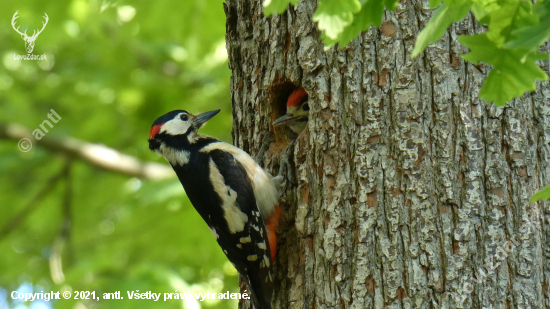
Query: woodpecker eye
[(184, 117), (305, 107)]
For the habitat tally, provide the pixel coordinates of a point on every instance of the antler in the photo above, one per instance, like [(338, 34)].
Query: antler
[(13, 24), (43, 25)]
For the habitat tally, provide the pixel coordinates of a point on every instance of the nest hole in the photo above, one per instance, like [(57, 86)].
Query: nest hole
[(278, 97)]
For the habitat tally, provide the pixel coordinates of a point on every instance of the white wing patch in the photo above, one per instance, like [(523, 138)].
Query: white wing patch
[(252, 258), (213, 229), (245, 240), (173, 156), (261, 245), (236, 219), (264, 187), (265, 263)]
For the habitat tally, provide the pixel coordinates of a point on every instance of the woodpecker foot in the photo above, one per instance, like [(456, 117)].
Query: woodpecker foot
[(287, 163), (268, 139), (279, 183)]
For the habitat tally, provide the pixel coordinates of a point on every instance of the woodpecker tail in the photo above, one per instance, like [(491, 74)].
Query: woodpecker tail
[(260, 293), (261, 282)]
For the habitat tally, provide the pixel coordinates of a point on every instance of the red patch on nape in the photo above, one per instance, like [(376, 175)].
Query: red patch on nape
[(296, 97), (155, 130)]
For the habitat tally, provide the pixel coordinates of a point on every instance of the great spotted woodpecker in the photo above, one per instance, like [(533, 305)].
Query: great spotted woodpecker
[(297, 111), (233, 194)]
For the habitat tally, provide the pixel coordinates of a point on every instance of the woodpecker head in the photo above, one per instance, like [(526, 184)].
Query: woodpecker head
[(176, 130), (297, 111)]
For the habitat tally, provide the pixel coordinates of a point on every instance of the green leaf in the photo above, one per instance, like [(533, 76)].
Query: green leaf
[(391, 4), (514, 72), (510, 16), (481, 49), (435, 3), (543, 194), (532, 36), (277, 6), (436, 27), (483, 8), (512, 80), (328, 42), (370, 14), (334, 15)]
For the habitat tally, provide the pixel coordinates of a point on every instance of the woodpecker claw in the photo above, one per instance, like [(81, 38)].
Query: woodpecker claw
[(278, 181)]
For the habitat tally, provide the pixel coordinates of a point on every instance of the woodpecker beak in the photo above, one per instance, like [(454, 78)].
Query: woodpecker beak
[(204, 117), (285, 120)]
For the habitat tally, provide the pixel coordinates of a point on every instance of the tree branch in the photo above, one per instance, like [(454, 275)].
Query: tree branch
[(95, 154)]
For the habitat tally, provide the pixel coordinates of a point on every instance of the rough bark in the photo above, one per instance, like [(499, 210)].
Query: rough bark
[(410, 188)]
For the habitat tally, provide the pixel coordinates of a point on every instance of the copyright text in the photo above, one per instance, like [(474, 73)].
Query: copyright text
[(92, 295)]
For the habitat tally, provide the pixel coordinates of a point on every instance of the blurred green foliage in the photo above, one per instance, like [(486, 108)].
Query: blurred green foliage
[(112, 68)]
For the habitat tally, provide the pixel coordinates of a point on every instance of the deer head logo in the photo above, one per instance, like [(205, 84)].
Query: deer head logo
[(29, 40)]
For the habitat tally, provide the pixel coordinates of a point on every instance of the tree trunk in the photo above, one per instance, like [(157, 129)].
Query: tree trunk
[(412, 192)]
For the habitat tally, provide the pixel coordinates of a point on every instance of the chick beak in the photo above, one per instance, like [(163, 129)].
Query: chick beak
[(203, 118), (285, 120)]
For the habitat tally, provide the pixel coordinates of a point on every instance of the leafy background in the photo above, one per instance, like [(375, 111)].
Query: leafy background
[(112, 69)]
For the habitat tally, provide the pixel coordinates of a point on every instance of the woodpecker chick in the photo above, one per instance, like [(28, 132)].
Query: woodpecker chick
[(297, 111), (235, 197)]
